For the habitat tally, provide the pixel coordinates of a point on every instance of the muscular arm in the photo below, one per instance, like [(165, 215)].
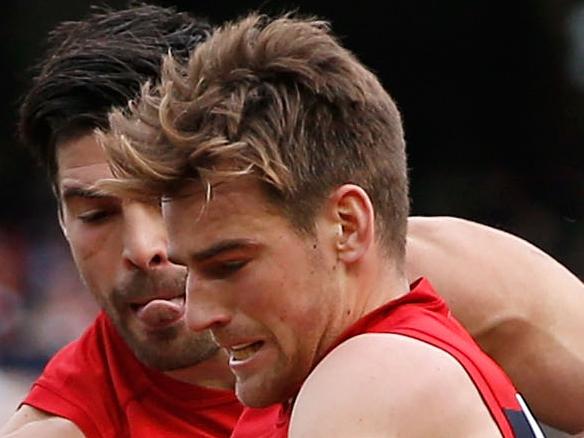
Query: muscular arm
[(29, 422), (523, 308), (385, 385)]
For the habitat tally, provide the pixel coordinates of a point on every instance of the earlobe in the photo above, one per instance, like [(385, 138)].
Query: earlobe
[(355, 216)]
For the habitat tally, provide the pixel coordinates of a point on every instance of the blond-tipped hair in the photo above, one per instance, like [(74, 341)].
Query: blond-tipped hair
[(279, 99)]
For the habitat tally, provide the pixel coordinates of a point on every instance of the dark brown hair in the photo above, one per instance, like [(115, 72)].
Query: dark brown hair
[(97, 63)]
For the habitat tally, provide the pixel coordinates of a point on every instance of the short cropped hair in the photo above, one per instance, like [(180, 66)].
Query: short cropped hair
[(97, 63), (279, 99)]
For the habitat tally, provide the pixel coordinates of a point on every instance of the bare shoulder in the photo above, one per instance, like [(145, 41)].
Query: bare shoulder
[(457, 233), (29, 422), (519, 304), (490, 278), (435, 243), (378, 384), (468, 242)]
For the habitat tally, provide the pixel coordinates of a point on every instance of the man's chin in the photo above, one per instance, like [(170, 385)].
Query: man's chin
[(172, 362), (170, 348)]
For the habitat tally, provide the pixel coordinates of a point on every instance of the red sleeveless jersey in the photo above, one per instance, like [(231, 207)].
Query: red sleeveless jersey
[(421, 314), (97, 383)]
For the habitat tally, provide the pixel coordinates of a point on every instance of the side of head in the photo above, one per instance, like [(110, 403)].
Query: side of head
[(278, 122), (97, 63), (280, 99), (119, 246)]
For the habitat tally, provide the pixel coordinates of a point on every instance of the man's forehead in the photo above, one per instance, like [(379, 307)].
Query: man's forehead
[(81, 161), (218, 188), (213, 197), (235, 209), (80, 149)]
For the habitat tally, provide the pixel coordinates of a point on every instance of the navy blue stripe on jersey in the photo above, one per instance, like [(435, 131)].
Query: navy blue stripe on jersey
[(522, 421), (519, 424)]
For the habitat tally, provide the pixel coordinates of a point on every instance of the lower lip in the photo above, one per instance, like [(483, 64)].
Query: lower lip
[(159, 313)]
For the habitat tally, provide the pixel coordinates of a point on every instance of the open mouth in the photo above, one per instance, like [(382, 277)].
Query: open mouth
[(239, 353)]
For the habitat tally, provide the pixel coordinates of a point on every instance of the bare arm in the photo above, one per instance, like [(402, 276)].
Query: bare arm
[(29, 422), (385, 385), (524, 308)]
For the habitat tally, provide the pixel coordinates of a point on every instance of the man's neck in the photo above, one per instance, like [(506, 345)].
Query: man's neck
[(212, 373), (379, 281)]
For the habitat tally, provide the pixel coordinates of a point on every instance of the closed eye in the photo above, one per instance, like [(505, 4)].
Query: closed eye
[(223, 269), (95, 216)]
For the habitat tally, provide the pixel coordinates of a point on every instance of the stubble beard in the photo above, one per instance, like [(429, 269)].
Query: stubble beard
[(170, 349), (167, 349)]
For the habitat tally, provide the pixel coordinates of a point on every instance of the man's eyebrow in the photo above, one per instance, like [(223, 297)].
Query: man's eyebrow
[(223, 246), (83, 192)]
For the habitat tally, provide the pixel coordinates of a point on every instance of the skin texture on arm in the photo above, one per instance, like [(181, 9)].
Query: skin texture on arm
[(28, 422), (385, 385), (524, 309)]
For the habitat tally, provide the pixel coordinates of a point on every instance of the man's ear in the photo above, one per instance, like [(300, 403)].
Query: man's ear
[(355, 218), (60, 208), (60, 216)]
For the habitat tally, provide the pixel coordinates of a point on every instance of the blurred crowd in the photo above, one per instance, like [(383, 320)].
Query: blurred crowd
[(43, 304)]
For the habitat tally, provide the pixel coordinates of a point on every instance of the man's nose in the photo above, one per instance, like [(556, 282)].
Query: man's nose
[(145, 237), (206, 308)]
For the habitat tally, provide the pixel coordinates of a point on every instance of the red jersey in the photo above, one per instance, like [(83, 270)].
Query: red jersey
[(97, 383), (420, 314)]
